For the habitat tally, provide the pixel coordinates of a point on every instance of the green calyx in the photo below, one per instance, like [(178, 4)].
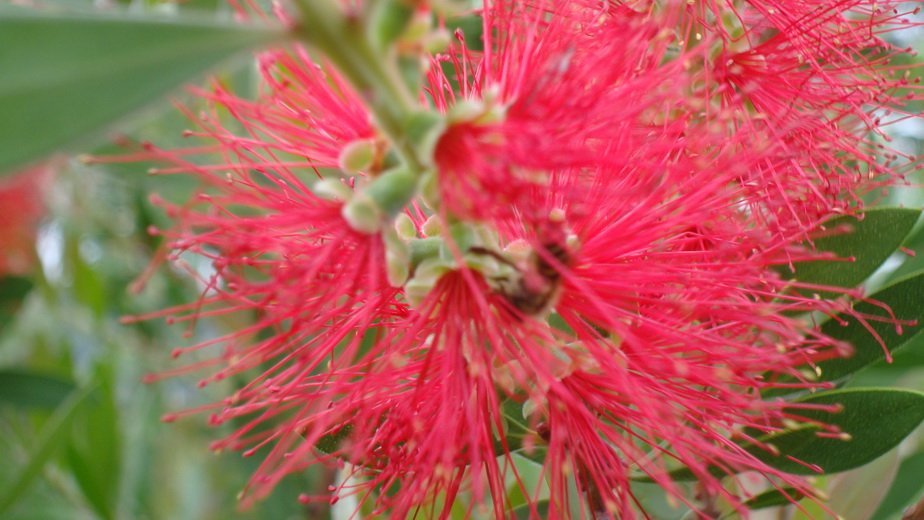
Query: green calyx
[(424, 130), (378, 202), (468, 245), (357, 156)]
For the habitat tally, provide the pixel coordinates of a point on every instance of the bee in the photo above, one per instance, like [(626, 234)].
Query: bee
[(536, 285)]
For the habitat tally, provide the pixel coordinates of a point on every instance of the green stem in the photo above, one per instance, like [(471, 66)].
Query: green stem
[(343, 41)]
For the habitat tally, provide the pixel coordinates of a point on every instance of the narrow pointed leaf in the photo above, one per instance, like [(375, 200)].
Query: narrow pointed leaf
[(905, 298), (856, 254), (94, 451), (26, 389), (64, 76), (52, 437), (875, 419), (906, 488)]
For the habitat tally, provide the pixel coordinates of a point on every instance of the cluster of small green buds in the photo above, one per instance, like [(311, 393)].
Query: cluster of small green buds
[(375, 205), (357, 156), (380, 197), (463, 244)]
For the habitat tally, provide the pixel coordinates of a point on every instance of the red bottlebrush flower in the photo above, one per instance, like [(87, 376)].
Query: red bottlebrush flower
[(22, 200), (586, 272)]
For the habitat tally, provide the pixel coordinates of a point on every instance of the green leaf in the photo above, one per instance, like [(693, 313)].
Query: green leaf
[(517, 428), (873, 478), (13, 289), (913, 242), (27, 389), (869, 243), (472, 28), (906, 300), (527, 482), (331, 442), (94, 449), (525, 511), (775, 498), (53, 436), (64, 76), (906, 488), (876, 420)]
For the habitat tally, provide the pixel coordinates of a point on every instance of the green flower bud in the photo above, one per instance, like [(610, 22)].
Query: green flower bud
[(430, 190), (427, 274), (432, 227), (363, 215), (357, 156), (437, 41), (392, 191), (424, 249), (380, 200), (397, 259), (405, 227), (332, 189), (464, 237)]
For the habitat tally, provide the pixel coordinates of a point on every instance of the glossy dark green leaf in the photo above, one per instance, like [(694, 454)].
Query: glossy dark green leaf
[(775, 498), (859, 250), (875, 420), (516, 429), (905, 298), (525, 511), (27, 389), (906, 488), (331, 442), (64, 76)]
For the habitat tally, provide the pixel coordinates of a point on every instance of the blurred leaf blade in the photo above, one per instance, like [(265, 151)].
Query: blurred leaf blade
[(52, 437), (526, 511), (906, 488), (94, 451), (75, 74), (13, 290), (28, 389)]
